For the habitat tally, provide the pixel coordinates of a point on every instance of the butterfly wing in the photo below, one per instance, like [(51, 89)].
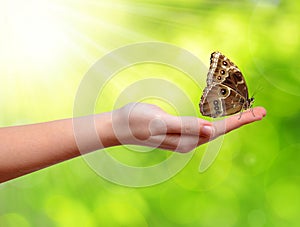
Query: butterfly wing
[(224, 71), (220, 100), (226, 90)]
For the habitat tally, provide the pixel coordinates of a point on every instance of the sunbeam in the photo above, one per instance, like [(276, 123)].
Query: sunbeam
[(29, 32), (96, 21)]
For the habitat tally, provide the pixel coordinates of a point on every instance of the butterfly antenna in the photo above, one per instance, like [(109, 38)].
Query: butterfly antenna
[(258, 89)]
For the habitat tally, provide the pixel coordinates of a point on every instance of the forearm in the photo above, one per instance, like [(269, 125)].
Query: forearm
[(24, 149)]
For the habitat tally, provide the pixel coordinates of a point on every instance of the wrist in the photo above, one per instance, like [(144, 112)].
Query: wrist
[(104, 127)]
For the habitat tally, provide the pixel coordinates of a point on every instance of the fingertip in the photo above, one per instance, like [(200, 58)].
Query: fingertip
[(260, 112)]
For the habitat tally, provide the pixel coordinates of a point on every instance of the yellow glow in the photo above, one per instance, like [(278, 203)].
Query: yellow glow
[(29, 32), (43, 32)]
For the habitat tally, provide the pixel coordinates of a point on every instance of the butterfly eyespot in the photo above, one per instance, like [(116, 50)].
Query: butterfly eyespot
[(224, 63), (222, 72), (215, 102), (223, 91), (219, 77)]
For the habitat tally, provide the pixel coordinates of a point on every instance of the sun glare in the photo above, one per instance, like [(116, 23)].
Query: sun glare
[(29, 31), (50, 34)]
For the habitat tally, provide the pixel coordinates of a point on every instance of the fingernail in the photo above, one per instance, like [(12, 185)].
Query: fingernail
[(207, 131)]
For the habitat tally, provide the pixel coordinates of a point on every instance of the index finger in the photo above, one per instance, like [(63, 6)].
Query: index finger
[(236, 121)]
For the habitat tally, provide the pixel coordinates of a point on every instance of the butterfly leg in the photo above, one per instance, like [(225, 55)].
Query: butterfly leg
[(252, 112), (240, 115)]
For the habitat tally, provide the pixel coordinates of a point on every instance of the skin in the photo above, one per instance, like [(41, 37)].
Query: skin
[(28, 148)]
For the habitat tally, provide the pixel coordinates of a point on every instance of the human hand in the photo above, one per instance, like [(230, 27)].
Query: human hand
[(148, 125), (136, 123)]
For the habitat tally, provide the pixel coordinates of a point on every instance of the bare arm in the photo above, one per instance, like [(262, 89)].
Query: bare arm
[(24, 149)]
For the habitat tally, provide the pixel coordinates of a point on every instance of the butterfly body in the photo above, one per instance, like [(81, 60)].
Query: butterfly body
[(226, 92)]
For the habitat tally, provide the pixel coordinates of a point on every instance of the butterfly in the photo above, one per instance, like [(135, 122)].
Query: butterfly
[(226, 92)]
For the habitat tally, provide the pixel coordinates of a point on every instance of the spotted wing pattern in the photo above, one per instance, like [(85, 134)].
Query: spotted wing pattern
[(226, 92)]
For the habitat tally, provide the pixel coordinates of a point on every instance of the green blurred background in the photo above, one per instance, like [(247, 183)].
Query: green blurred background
[(46, 47)]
